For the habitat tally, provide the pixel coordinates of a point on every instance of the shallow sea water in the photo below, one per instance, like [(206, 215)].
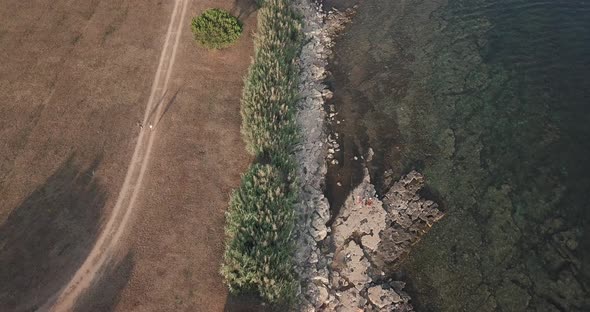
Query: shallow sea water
[(491, 101)]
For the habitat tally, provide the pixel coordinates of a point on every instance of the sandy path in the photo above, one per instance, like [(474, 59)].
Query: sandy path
[(119, 218)]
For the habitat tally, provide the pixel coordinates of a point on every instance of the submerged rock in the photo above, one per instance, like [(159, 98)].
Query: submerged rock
[(409, 217), (381, 297)]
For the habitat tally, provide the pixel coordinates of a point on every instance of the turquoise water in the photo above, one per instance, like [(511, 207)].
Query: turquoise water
[(491, 101)]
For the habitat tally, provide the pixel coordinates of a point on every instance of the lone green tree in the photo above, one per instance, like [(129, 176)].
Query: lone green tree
[(216, 29)]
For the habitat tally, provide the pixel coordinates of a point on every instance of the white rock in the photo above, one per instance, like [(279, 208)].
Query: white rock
[(323, 296), (318, 222), (319, 235), (322, 279)]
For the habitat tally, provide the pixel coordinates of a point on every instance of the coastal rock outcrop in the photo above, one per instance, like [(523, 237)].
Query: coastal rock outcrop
[(371, 234), (341, 265)]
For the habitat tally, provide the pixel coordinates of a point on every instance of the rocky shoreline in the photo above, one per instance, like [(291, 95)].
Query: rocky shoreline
[(341, 267), (313, 209)]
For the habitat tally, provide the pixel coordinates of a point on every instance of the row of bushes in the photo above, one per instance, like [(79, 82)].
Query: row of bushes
[(260, 219)]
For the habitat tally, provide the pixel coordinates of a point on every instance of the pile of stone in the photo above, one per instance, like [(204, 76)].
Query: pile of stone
[(333, 147), (313, 209)]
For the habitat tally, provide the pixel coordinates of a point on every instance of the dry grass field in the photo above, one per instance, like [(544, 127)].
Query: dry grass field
[(75, 78)]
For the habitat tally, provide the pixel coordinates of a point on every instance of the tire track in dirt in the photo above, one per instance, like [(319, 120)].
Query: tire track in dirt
[(112, 233)]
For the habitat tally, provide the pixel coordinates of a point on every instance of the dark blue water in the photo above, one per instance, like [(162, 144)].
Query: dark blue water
[(491, 101)]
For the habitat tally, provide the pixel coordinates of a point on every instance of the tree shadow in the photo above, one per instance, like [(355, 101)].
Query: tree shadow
[(105, 293), (248, 303), (47, 237), (242, 9)]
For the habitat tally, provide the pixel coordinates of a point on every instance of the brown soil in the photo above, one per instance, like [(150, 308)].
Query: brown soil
[(70, 98), (75, 79), (176, 243)]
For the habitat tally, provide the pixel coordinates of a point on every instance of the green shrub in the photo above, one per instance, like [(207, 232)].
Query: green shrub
[(270, 91), (216, 29), (260, 220), (259, 247)]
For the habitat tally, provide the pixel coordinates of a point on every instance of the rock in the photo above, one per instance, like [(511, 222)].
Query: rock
[(354, 265), (323, 296), (370, 154), (302, 254), (572, 244), (322, 279), (306, 306), (349, 301), (362, 215), (512, 297), (370, 241), (318, 235), (410, 217), (318, 222), (362, 302), (397, 285), (365, 217), (381, 297), (323, 208), (331, 299), (335, 283), (313, 258)]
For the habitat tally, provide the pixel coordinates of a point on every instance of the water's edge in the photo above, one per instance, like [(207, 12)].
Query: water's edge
[(489, 100)]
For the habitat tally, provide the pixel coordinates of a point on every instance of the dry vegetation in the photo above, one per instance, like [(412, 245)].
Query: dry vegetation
[(260, 219)]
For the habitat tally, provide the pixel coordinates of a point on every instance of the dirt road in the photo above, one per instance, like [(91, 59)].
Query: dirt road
[(176, 242), (119, 217), (177, 238)]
